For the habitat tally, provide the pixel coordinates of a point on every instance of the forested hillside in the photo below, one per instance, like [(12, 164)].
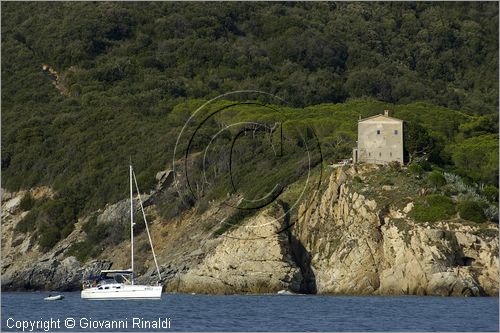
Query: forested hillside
[(121, 78), (307, 53)]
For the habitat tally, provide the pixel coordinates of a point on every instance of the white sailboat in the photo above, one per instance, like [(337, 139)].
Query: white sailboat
[(119, 284)]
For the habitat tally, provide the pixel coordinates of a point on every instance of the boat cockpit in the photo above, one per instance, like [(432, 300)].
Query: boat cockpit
[(109, 279)]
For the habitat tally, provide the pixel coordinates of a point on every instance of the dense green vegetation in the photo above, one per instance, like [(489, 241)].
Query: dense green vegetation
[(435, 196), (130, 74), (307, 53), (436, 179), (471, 210), (477, 157), (433, 208), (27, 202), (50, 220)]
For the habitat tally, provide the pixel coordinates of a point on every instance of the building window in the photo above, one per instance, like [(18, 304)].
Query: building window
[(369, 154), (390, 153), (395, 132), (380, 154), (378, 132)]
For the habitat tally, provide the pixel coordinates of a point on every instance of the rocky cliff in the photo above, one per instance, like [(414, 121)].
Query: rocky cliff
[(255, 258), (25, 266), (363, 246), (349, 239)]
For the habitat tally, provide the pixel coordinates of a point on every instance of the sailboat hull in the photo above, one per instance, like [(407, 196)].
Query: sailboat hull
[(118, 292)]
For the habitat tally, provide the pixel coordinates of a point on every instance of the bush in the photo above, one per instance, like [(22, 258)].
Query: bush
[(436, 179), (28, 223), (66, 230), (426, 165), (83, 250), (27, 202), (472, 211), (433, 208), (357, 180), (386, 181), (395, 166), (49, 237), (491, 193), (416, 169), (96, 232), (202, 206), (491, 213)]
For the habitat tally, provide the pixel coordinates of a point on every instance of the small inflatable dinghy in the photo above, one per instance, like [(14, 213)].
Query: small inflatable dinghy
[(54, 298)]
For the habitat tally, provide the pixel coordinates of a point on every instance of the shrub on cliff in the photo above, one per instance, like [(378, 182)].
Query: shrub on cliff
[(52, 220), (436, 179), (27, 202), (83, 250), (395, 166), (415, 169), (472, 211), (28, 223), (433, 208), (491, 193), (357, 180), (49, 237)]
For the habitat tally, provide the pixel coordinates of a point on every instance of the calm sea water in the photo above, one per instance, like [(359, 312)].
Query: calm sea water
[(253, 313)]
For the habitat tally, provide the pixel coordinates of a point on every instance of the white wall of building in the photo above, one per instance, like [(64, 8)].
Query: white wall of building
[(380, 140)]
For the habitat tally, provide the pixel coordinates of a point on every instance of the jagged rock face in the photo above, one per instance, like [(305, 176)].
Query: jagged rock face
[(164, 179), (52, 274), (357, 247), (251, 259), (26, 267)]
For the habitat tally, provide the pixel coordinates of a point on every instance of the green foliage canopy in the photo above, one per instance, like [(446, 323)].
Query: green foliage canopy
[(471, 210), (433, 208), (477, 157)]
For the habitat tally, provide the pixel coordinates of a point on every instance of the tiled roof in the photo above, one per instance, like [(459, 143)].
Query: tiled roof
[(380, 115)]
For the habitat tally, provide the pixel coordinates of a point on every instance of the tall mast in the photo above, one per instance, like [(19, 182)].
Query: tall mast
[(147, 228), (131, 227)]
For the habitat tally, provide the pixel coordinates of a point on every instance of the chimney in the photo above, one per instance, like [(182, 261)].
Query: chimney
[(386, 113)]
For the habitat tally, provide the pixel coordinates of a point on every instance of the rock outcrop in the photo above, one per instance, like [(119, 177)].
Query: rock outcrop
[(360, 247), (65, 274), (254, 258), (26, 267)]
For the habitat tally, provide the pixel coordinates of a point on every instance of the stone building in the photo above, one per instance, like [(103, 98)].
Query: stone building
[(380, 140)]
